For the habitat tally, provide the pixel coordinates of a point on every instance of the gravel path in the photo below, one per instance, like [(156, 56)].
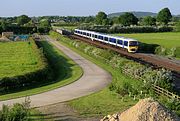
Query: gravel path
[(93, 80)]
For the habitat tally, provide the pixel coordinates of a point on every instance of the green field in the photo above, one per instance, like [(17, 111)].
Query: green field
[(65, 72), (19, 58), (167, 39)]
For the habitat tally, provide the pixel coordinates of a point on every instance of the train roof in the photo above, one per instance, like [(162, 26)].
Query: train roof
[(117, 37)]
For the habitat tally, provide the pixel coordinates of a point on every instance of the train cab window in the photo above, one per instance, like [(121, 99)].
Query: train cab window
[(120, 42), (133, 43), (113, 40), (106, 38), (125, 43)]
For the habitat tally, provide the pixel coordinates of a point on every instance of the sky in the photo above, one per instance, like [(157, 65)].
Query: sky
[(83, 7)]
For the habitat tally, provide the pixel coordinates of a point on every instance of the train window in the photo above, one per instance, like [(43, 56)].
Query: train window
[(120, 42), (87, 34), (125, 43), (80, 32), (106, 38), (95, 36), (90, 35), (84, 33), (133, 43), (100, 37), (112, 40)]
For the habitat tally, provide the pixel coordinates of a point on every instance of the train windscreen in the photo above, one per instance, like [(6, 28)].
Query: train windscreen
[(133, 43)]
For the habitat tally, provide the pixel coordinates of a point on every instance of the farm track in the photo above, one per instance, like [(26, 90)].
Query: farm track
[(149, 59), (93, 80)]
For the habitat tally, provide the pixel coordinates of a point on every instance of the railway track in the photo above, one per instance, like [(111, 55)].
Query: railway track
[(139, 57), (148, 59)]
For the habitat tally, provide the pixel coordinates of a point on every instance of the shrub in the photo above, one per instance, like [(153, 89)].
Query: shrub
[(19, 112)]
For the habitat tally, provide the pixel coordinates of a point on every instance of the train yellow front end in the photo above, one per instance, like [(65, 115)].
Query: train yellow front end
[(133, 46)]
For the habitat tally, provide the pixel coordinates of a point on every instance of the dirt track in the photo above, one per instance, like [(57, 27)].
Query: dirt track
[(93, 80)]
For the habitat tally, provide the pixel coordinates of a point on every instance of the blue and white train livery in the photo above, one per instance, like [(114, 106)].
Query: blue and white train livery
[(127, 43)]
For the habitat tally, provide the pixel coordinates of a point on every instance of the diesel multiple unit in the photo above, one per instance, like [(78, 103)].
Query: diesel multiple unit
[(131, 45)]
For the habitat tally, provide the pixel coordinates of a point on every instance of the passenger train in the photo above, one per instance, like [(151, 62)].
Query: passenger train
[(131, 45)]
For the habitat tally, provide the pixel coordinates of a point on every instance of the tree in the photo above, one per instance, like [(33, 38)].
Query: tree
[(23, 19), (44, 23), (149, 21), (128, 19), (100, 17), (164, 16), (178, 26), (89, 19), (4, 25), (115, 20)]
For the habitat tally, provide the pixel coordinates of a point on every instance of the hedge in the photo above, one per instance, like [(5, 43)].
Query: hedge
[(25, 30), (43, 74), (120, 29)]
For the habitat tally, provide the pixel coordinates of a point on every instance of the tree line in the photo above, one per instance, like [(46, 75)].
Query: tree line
[(24, 25), (164, 16)]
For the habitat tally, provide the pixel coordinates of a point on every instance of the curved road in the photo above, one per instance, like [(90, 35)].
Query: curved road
[(93, 80)]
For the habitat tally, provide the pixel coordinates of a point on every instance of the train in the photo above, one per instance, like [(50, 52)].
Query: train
[(129, 44)]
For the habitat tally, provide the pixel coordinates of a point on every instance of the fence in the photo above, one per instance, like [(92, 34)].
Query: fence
[(156, 88)]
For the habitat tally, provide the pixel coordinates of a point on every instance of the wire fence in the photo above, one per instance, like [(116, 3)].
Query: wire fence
[(157, 89)]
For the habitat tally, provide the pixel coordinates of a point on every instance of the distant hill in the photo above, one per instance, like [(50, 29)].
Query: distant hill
[(137, 14)]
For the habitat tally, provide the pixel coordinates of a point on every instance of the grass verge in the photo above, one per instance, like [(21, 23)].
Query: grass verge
[(66, 72), (105, 101)]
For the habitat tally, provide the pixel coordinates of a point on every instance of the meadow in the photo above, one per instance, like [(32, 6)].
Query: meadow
[(64, 70), (167, 39), (19, 58)]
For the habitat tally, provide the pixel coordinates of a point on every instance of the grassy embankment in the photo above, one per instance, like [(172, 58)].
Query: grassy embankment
[(170, 41), (20, 58), (119, 95), (105, 101)]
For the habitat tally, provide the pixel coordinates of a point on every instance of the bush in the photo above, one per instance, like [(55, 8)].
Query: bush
[(19, 112), (171, 52)]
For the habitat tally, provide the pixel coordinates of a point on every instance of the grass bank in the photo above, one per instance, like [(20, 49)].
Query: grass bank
[(105, 101), (124, 91), (19, 58), (65, 72)]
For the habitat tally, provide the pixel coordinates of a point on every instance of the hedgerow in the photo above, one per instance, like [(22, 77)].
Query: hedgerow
[(160, 77), (122, 29), (41, 73)]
